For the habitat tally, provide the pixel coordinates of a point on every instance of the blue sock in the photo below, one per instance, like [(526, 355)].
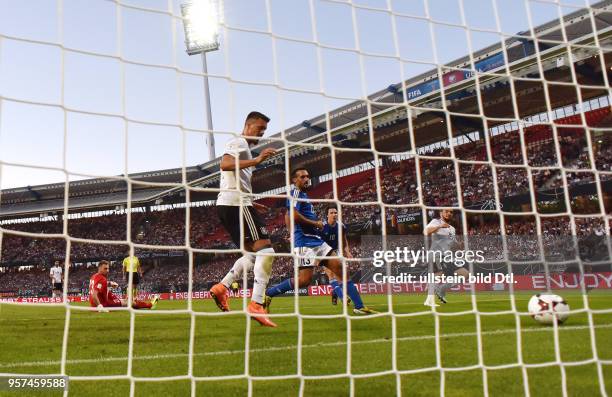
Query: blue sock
[(354, 294), (336, 288), (278, 289)]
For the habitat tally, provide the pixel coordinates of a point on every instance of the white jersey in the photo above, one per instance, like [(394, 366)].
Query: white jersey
[(238, 148), (444, 237), (56, 274)]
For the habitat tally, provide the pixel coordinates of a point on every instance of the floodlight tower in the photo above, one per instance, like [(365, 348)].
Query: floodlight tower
[(201, 20)]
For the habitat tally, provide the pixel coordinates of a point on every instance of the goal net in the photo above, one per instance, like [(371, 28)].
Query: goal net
[(400, 111)]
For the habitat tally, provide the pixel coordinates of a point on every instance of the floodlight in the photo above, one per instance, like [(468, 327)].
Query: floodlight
[(201, 20)]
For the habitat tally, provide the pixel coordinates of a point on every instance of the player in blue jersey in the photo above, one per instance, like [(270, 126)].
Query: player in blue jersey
[(331, 236), (309, 246)]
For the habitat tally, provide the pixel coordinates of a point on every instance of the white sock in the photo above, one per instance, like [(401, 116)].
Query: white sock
[(262, 270), (245, 262), (431, 289)]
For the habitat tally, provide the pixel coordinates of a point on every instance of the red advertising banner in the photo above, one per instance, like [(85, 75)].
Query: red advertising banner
[(535, 282), (453, 77)]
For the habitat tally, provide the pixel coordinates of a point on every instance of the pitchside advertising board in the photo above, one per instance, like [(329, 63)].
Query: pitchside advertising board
[(533, 282), (455, 76)]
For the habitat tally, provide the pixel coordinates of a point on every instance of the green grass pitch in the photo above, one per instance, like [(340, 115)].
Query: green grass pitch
[(31, 340)]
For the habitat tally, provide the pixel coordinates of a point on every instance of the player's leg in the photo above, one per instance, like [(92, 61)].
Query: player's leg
[(305, 263), (335, 266), (230, 219), (255, 240), (114, 301), (243, 264), (219, 291), (435, 270), (135, 283), (330, 277), (431, 292), (131, 285), (255, 232), (304, 278), (138, 304), (443, 288)]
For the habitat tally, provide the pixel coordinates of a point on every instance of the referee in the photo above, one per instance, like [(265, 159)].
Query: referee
[(131, 264)]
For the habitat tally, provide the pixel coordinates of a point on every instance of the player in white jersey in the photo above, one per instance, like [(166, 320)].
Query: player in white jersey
[(442, 235), (237, 167), (55, 274)]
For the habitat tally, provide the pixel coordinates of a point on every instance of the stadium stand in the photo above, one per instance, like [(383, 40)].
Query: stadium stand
[(25, 259)]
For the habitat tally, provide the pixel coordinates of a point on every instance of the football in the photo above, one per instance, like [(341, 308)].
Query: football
[(545, 307)]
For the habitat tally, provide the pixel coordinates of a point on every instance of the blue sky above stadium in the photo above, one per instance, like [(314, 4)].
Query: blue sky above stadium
[(37, 77)]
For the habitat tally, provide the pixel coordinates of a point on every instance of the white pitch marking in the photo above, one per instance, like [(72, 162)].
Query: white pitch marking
[(292, 347)]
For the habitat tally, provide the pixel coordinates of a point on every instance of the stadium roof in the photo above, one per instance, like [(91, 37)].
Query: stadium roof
[(383, 111)]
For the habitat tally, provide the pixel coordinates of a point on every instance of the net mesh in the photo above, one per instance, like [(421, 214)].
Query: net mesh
[(459, 98)]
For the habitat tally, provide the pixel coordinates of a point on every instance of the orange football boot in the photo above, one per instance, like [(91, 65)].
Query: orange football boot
[(259, 314), (219, 293)]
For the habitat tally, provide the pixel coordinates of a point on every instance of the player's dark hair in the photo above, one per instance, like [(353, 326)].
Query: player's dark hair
[(102, 263), (255, 116), (295, 171), (330, 207)]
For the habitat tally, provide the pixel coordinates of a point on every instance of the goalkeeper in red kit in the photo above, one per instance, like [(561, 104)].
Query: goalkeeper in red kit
[(101, 297)]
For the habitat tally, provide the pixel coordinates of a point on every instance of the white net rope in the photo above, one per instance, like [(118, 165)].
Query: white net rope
[(508, 72)]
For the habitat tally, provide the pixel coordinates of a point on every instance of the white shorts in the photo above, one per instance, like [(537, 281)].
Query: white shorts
[(306, 256)]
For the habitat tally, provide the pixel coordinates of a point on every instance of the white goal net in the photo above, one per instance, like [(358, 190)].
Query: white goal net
[(498, 110)]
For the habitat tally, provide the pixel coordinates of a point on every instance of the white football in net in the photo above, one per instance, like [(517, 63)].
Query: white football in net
[(544, 307)]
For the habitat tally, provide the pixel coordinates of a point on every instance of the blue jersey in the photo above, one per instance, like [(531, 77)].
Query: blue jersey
[(303, 235), (330, 234)]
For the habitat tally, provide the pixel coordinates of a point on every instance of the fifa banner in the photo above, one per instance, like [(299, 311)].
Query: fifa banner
[(455, 76)]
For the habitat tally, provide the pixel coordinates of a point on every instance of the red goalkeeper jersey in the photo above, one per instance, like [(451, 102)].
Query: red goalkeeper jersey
[(99, 285)]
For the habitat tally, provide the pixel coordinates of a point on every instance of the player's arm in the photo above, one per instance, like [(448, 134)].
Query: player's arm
[(302, 220), (96, 297), (228, 161), (123, 271), (98, 302), (432, 228)]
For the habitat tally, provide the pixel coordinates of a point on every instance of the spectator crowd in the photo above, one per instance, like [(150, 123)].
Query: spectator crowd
[(24, 259)]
